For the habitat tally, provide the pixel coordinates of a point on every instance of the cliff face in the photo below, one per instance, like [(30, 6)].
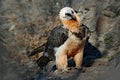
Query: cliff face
[(26, 24)]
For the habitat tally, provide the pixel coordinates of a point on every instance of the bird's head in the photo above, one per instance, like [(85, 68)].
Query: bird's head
[(67, 13), (70, 19)]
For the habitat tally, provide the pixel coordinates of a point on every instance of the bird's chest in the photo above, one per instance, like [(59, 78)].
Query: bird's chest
[(73, 45), (72, 50)]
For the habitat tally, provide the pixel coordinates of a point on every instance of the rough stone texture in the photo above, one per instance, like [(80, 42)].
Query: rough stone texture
[(26, 24)]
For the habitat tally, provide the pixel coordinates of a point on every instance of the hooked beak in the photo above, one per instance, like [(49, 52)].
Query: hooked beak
[(73, 17)]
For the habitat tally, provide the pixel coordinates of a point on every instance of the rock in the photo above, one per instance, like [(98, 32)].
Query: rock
[(26, 24), (108, 13)]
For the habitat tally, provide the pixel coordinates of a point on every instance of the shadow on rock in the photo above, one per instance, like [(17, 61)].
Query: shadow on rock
[(91, 53)]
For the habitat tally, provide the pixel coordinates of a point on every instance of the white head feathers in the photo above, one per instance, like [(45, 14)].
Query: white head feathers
[(66, 13)]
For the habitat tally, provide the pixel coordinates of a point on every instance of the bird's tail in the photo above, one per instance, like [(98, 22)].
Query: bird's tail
[(42, 61), (37, 50)]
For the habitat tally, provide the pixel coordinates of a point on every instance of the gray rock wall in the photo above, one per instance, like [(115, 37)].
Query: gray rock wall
[(26, 24)]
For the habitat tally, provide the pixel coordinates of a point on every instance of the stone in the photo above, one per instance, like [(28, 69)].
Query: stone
[(26, 25)]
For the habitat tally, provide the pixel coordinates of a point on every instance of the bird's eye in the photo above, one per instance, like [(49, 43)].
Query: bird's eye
[(72, 12)]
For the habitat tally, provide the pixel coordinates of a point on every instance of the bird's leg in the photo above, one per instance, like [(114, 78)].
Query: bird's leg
[(78, 58), (61, 61)]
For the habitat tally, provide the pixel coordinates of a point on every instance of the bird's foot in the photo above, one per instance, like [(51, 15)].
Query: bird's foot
[(78, 67), (66, 70)]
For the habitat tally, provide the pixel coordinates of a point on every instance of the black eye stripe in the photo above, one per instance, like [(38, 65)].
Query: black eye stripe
[(68, 14), (72, 12)]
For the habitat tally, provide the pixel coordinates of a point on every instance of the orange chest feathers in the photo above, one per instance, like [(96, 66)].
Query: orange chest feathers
[(72, 25)]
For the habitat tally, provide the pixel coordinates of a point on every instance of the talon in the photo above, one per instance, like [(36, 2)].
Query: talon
[(57, 72), (69, 68), (79, 68), (65, 70)]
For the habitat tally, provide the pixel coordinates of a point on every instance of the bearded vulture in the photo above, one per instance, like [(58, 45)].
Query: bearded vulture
[(60, 34)]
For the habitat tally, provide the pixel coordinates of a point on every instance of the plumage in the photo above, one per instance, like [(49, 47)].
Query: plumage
[(57, 37)]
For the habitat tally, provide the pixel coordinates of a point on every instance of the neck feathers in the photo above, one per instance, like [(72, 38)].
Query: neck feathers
[(72, 25)]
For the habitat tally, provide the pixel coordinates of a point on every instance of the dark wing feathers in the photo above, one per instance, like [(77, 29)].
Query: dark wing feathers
[(37, 50), (57, 37)]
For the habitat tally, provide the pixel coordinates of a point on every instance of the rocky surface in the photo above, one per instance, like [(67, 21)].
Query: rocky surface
[(26, 24)]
